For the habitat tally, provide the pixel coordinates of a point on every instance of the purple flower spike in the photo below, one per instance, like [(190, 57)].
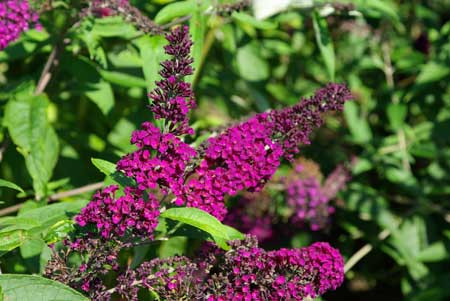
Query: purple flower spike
[(173, 97)]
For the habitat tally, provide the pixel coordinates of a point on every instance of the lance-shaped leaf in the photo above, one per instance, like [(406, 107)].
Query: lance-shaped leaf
[(325, 43), (26, 119)]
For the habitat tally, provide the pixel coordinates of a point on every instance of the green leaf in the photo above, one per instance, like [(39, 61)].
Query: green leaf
[(432, 72), (10, 240), (385, 8), (123, 79), (51, 214), (27, 287), (113, 27), (197, 30), (34, 222), (4, 183), (18, 223), (433, 253), (406, 251), (368, 203), (362, 165), (378, 9), (152, 53), (205, 222), (30, 251), (120, 135), (104, 166), (125, 58), (400, 176), (93, 43), (229, 39), (173, 246), (325, 43), (396, 114), (250, 64), (358, 125), (101, 94), (26, 119), (175, 10), (250, 20), (89, 81)]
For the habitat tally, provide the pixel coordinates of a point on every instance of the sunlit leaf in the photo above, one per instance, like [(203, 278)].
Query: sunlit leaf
[(205, 222), (4, 183), (17, 287)]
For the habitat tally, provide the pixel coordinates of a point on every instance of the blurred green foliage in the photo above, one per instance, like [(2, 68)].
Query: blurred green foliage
[(395, 56)]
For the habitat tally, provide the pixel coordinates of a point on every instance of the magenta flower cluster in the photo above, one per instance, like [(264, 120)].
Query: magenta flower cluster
[(243, 157), (98, 257), (172, 278), (161, 159), (16, 16), (114, 216), (248, 272)]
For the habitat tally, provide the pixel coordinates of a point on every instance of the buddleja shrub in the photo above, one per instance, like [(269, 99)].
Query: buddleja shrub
[(168, 188)]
